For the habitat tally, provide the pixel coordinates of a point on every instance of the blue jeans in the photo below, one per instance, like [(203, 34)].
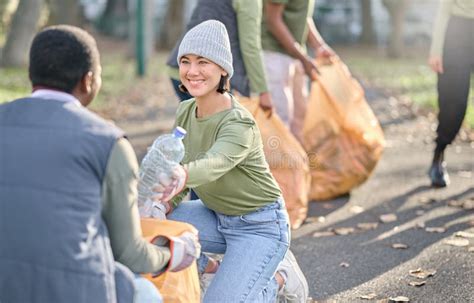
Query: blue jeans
[(145, 291), (253, 246)]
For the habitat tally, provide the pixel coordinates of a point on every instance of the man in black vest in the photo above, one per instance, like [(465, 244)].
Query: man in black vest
[(68, 182)]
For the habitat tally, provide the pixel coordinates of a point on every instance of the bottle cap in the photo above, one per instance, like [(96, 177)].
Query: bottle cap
[(179, 132)]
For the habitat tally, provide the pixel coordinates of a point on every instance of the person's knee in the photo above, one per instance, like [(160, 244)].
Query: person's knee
[(146, 292)]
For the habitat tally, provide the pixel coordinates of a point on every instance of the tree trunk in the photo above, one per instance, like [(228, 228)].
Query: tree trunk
[(115, 19), (368, 33), (174, 25), (65, 12), (397, 10), (22, 31)]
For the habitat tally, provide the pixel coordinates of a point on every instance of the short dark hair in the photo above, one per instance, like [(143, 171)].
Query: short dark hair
[(60, 56)]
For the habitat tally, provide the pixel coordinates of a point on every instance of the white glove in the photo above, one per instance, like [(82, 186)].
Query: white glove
[(184, 250)]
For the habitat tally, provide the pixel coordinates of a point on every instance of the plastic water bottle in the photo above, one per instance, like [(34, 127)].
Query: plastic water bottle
[(166, 152)]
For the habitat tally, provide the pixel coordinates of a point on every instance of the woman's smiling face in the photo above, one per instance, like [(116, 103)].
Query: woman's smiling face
[(199, 75)]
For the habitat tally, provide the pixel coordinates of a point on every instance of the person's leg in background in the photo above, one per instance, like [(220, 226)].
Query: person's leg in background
[(279, 68), (300, 99), (453, 91)]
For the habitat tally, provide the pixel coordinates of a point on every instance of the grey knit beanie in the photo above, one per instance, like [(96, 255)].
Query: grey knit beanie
[(210, 40)]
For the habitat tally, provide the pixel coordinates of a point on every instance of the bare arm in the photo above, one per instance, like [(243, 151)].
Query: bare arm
[(317, 42), (278, 28)]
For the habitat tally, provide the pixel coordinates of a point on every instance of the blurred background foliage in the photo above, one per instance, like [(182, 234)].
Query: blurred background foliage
[(384, 42)]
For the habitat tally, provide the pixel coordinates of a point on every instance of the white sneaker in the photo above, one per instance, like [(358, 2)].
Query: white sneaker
[(295, 288)]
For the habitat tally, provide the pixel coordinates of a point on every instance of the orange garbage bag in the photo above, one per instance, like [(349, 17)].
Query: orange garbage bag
[(342, 136), (174, 287), (287, 160)]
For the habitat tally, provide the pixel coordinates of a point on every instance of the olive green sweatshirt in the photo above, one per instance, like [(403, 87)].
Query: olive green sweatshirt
[(225, 159)]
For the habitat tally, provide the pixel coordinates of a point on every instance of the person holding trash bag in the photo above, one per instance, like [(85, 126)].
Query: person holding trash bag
[(70, 227), (287, 25), (451, 57), (241, 213)]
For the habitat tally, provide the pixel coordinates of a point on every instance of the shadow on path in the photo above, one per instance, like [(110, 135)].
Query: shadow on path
[(369, 253)]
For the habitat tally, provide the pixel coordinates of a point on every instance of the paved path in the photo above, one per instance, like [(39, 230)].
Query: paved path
[(342, 268)]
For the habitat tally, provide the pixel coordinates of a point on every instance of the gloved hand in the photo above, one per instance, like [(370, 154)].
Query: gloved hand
[(184, 250)]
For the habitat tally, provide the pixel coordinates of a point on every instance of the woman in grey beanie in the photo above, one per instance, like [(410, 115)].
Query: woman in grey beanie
[(241, 212)]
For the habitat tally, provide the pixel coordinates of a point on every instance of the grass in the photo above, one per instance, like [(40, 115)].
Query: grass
[(14, 84), (118, 76), (409, 78)]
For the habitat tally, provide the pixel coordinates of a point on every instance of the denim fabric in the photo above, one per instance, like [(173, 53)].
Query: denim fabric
[(145, 291), (253, 246)]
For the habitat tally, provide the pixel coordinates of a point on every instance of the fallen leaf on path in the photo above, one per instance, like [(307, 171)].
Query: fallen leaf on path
[(425, 200), (421, 273), (398, 299), (455, 203), (387, 218), (459, 242), (356, 209), (468, 204), (344, 264), (435, 229), (320, 234), (420, 225), (416, 283), (464, 234), (399, 246), (368, 296), (367, 225), (343, 231), (319, 219)]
